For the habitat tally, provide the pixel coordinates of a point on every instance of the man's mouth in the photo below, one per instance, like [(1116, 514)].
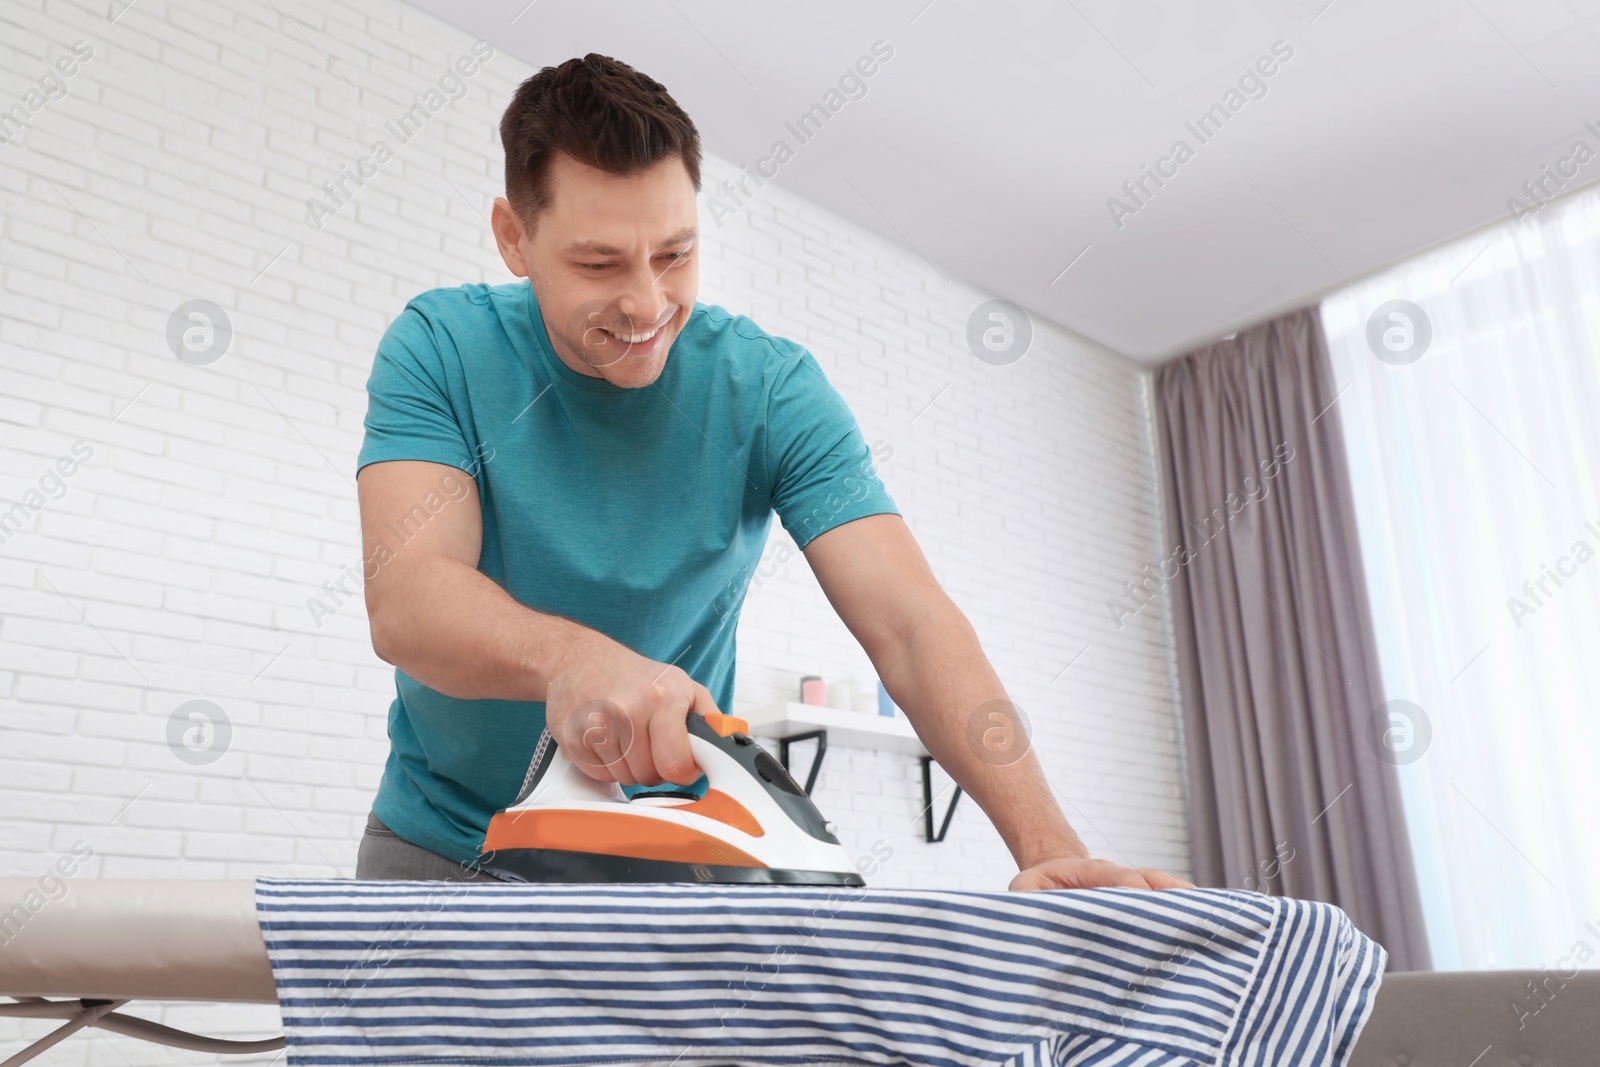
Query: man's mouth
[(636, 338), (640, 342)]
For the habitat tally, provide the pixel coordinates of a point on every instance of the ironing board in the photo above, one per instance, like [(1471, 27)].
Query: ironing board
[(700, 975), (83, 952)]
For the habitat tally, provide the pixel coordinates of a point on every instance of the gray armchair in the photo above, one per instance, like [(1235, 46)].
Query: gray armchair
[(1483, 1019)]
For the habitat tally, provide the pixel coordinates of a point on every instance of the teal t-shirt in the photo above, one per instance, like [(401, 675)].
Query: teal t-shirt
[(640, 513)]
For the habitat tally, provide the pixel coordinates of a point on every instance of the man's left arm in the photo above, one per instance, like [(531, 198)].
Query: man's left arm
[(927, 655)]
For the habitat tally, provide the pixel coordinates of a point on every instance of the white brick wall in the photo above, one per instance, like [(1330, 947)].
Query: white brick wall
[(178, 560)]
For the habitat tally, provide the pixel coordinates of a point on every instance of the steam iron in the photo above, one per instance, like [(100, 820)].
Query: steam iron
[(744, 821)]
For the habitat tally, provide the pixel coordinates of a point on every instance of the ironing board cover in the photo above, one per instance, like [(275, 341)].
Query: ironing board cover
[(693, 975)]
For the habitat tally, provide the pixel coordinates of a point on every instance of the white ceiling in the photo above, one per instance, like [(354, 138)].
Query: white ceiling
[(992, 140)]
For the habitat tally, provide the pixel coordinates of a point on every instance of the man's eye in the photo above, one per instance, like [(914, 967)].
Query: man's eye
[(595, 266)]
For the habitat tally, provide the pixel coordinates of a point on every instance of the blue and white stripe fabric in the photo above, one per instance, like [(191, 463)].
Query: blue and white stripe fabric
[(685, 975)]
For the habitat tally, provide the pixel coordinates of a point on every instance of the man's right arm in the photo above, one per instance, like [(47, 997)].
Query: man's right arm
[(439, 619)]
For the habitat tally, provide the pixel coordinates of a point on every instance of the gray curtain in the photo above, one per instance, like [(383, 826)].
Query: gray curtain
[(1290, 792)]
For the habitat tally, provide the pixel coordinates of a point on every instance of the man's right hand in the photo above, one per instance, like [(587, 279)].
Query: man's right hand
[(622, 717)]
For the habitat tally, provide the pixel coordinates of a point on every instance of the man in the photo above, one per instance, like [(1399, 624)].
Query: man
[(562, 480)]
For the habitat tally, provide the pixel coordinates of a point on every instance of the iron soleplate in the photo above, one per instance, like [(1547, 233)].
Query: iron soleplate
[(557, 865)]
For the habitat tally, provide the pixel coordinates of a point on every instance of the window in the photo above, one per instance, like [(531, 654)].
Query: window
[(1469, 383)]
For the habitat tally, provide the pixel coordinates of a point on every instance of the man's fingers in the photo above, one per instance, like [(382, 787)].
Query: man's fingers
[(1123, 876), (637, 752), (617, 755), (669, 745), (1025, 880), (605, 737), (1094, 874), (1160, 879), (603, 758)]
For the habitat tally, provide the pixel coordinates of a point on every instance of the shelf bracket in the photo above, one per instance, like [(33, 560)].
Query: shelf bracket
[(821, 737), (927, 804)]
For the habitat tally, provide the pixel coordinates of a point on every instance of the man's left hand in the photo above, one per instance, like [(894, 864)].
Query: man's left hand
[(1067, 872)]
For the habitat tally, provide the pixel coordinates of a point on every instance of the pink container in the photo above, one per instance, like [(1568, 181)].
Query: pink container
[(813, 690)]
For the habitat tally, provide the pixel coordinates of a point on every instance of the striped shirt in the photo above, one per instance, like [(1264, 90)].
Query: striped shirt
[(701, 975)]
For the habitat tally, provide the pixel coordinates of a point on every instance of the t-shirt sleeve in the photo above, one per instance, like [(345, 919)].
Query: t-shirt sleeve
[(820, 467), (409, 411)]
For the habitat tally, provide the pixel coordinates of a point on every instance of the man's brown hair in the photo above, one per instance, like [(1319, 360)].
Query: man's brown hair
[(599, 111)]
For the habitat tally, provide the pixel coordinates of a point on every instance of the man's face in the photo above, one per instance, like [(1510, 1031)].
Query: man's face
[(613, 264)]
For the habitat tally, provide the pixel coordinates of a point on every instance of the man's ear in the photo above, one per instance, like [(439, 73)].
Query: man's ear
[(508, 233)]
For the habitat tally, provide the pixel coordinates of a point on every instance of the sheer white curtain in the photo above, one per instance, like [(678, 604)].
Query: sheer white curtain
[(1476, 472)]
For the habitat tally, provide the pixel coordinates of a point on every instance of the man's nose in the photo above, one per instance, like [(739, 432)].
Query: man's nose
[(644, 301)]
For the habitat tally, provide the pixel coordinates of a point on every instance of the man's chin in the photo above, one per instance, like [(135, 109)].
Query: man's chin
[(634, 374)]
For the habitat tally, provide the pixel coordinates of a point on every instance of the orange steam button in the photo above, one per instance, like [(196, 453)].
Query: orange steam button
[(727, 724)]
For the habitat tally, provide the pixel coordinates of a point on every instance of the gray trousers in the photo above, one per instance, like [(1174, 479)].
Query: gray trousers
[(386, 856)]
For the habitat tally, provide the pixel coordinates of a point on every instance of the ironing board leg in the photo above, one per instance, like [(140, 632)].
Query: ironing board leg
[(86, 1016), (102, 1015)]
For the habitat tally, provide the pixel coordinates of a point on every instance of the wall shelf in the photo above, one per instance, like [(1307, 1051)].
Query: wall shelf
[(853, 729), (793, 722)]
